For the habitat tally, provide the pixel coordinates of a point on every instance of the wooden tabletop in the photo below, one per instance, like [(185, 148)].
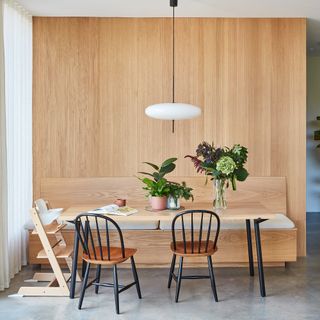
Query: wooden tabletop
[(235, 211)]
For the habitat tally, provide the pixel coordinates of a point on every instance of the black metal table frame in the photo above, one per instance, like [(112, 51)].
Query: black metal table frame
[(259, 252), (250, 254)]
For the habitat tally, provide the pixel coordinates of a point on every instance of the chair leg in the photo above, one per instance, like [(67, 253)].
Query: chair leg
[(213, 283), (179, 279), (116, 288), (83, 268), (173, 263), (98, 273), (84, 285), (135, 276)]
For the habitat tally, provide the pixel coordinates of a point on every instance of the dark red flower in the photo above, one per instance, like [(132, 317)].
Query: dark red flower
[(197, 163)]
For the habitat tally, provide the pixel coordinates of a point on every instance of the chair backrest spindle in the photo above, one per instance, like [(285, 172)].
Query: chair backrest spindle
[(200, 233), (99, 237), (108, 239), (184, 235), (192, 234), (91, 238), (208, 233)]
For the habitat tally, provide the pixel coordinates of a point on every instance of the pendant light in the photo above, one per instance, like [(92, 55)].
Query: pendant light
[(173, 110)]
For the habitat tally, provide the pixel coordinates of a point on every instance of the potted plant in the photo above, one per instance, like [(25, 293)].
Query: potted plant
[(224, 165), (176, 192), (158, 192), (157, 186)]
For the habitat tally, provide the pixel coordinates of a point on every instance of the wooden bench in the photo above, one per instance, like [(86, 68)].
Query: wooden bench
[(279, 237)]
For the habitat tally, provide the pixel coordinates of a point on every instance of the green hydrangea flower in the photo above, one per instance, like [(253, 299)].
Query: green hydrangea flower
[(226, 165)]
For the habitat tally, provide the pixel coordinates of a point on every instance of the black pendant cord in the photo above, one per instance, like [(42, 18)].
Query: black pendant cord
[(173, 4), (173, 53)]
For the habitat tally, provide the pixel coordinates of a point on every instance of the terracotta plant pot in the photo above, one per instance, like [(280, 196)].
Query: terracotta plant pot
[(158, 203)]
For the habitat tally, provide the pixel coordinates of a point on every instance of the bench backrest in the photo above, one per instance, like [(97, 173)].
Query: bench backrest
[(66, 192)]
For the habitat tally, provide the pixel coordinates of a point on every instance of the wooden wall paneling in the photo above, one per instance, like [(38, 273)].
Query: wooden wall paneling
[(288, 122), (118, 103), (65, 105), (93, 78)]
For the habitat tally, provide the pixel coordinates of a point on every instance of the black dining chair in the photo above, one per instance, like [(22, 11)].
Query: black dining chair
[(97, 240), (193, 239)]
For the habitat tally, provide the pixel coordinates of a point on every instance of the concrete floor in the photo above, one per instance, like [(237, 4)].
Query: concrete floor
[(292, 293)]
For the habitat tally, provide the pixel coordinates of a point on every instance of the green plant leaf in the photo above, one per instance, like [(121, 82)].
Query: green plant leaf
[(162, 182), (207, 166), (241, 174), (154, 166), (234, 182), (149, 174), (157, 176), (167, 169), (168, 162), (148, 182)]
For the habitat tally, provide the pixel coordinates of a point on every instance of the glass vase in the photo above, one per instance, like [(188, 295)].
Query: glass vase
[(173, 203), (219, 186)]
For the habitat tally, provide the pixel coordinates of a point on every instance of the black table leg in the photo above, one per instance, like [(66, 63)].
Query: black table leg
[(74, 265), (249, 242), (259, 256)]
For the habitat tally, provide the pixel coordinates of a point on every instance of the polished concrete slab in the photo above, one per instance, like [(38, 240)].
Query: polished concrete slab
[(292, 293)]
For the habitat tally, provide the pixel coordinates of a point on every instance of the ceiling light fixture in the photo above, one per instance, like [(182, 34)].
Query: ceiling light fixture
[(173, 110)]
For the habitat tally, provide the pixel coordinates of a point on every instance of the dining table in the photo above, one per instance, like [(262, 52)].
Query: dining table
[(242, 211)]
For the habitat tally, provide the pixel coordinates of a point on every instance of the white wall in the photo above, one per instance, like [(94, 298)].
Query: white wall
[(313, 154)]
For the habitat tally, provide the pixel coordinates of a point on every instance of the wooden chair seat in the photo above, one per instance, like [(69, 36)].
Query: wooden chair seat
[(188, 253), (115, 255)]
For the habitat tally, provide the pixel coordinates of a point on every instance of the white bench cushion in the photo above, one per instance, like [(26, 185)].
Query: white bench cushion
[(279, 222)]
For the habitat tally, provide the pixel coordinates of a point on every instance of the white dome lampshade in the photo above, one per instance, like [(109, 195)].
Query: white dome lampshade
[(173, 111)]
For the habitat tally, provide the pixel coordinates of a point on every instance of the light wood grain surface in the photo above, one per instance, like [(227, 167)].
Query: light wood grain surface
[(93, 78)]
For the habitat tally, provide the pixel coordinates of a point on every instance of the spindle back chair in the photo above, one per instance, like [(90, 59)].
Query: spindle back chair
[(195, 232), (98, 248)]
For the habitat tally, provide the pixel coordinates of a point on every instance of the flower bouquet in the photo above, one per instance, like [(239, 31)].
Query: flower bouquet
[(224, 165)]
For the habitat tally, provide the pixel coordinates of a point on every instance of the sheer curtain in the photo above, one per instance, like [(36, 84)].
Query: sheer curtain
[(17, 41), (4, 264)]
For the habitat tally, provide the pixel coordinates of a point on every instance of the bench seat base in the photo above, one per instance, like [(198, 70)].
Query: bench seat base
[(278, 245)]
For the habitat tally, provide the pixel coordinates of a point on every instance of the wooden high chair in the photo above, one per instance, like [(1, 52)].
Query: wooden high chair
[(59, 250)]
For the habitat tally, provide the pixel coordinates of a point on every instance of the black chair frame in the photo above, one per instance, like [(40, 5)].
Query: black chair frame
[(84, 231), (177, 278)]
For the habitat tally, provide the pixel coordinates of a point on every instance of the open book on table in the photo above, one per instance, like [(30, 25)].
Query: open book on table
[(113, 209)]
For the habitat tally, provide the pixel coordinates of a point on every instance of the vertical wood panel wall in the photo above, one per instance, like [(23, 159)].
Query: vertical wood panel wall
[(93, 78)]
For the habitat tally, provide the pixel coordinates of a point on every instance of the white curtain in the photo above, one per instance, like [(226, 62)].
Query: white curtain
[(17, 34), (4, 264)]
